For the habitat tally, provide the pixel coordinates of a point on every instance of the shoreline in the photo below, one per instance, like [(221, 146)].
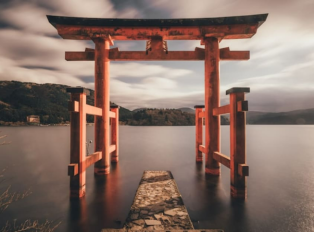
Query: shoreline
[(10, 124)]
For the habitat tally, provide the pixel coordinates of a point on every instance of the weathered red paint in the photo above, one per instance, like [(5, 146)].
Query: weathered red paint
[(92, 110), (78, 145), (221, 110), (102, 100), (90, 159), (237, 146), (223, 159), (235, 31), (212, 101), (157, 54), (198, 134), (115, 135)]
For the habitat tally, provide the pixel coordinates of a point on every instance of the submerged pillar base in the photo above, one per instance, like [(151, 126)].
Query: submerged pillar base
[(114, 159), (78, 193), (101, 171), (212, 171), (239, 193)]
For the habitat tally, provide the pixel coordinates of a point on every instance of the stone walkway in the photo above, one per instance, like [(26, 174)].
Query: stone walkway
[(158, 206)]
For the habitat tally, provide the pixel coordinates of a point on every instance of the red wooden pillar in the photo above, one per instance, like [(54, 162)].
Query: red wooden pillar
[(102, 100), (78, 140), (237, 141), (212, 100), (115, 134), (198, 132)]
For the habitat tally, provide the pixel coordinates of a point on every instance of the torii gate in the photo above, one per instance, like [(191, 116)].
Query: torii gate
[(210, 31)]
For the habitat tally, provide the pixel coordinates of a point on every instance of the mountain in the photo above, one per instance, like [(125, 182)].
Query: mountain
[(187, 110), (305, 116), (138, 109), (161, 117), (223, 119), (49, 101)]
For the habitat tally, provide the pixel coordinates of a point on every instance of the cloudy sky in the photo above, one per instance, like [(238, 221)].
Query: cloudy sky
[(280, 72)]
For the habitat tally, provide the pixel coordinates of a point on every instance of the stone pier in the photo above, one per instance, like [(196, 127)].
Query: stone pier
[(158, 206)]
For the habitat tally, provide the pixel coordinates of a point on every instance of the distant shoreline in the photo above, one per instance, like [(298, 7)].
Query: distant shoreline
[(25, 124)]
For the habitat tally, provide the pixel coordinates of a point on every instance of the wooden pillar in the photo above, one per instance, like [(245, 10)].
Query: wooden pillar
[(212, 100), (102, 100), (237, 141), (78, 141), (198, 132), (115, 134)]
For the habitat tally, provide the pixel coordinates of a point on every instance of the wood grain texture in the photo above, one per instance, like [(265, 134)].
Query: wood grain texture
[(102, 100), (157, 54), (198, 135), (212, 101), (115, 135), (78, 145), (237, 146), (223, 159), (221, 110), (92, 110), (78, 32)]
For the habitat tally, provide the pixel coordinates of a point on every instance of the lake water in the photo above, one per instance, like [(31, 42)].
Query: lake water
[(280, 185)]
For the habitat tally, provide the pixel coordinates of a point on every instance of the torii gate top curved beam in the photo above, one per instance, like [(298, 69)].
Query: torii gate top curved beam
[(236, 27)]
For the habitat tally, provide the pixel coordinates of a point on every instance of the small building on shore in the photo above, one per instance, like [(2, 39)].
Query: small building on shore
[(33, 119)]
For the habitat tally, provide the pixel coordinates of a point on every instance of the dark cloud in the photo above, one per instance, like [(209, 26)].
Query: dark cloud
[(6, 25), (54, 36), (144, 8), (280, 100), (39, 67), (88, 79), (131, 80)]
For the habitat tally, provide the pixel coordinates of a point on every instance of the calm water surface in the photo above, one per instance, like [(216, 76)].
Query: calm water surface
[(280, 185)]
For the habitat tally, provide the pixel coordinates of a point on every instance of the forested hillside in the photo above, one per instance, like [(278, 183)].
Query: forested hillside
[(166, 117), (49, 101), (161, 117)]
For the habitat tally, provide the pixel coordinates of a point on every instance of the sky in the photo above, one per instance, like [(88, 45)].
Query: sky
[(280, 72)]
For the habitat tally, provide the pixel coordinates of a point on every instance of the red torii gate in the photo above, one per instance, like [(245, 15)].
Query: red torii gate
[(210, 31)]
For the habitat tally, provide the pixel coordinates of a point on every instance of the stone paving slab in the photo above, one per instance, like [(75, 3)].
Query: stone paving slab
[(158, 206), (125, 230)]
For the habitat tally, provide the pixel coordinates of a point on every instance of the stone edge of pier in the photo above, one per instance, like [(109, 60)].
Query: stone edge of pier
[(194, 230)]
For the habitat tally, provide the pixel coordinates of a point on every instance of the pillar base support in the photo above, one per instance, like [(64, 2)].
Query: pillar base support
[(199, 159), (101, 171), (239, 193), (114, 159), (74, 193), (212, 171)]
